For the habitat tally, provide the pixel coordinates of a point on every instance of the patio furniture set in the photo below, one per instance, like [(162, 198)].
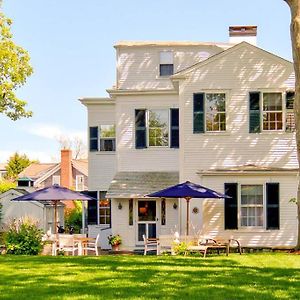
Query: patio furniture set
[(165, 243), (77, 243)]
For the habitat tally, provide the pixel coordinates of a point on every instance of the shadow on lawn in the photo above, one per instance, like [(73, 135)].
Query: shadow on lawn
[(128, 277)]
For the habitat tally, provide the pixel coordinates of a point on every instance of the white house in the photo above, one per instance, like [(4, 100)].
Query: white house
[(217, 114)]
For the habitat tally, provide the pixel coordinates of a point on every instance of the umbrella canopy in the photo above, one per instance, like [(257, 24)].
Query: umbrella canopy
[(54, 193), (188, 190)]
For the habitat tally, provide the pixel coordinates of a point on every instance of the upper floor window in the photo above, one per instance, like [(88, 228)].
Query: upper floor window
[(209, 112), (272, 111), (107, 138), (166, 66), (157, 128), (266, 112), (103, 138)]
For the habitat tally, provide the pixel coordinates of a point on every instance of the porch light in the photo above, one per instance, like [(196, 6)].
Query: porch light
[(120, 206), (175, 205)]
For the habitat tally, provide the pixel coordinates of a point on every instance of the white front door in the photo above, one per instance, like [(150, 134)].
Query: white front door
[(147, 220)]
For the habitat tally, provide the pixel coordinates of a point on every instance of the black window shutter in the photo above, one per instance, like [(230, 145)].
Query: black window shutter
[(140, 129), (92, 208), (231, 206), (93, 138), (174, 128), (254, 112), (198, 107), (272, 205)]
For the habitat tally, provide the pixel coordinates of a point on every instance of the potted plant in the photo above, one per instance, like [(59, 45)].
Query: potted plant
[(115, 241)]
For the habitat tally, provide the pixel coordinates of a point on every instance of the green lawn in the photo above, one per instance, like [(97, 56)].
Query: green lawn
[(249, 276)]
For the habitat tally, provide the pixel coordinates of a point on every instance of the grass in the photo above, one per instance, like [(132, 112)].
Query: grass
[(249, 276)]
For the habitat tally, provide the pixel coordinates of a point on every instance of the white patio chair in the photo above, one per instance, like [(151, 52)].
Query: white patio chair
[(91, 245), (67, 244), (151, 244)]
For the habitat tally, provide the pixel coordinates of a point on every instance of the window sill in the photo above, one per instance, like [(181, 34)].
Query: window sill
[(251, 230), (163, 77), (226, 133), (157, 148), (104, 152)]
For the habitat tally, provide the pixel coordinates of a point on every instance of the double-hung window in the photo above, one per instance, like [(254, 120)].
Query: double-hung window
[(209, 112), (166, 66), (102, 138), (158, 129), (272, 111), (252, 205), (79, 182)]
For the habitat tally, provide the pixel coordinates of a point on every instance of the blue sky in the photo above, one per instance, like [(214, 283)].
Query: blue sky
[(71, 47)]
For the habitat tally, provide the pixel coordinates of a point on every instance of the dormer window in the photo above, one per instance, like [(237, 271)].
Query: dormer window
[(166, 66)]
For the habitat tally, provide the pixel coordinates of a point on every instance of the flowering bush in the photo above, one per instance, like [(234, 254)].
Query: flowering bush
[(114, 240), (23, 237), (181, 248)]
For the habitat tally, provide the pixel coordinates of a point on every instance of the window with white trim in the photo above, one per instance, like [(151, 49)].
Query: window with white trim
[(215, 111), (107, 138), (56, 179), (104, 209), (166, 66), (158, 127), (79, 182), (252, 206), (272, 111)]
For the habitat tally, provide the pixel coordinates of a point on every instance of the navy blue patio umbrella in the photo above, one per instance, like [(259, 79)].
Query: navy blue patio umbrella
[(187, 190), (54, 193)]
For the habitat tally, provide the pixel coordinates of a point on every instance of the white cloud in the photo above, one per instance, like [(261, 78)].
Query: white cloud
[(54, 132)]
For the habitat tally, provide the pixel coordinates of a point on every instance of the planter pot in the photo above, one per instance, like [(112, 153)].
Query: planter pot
[(115, 247)]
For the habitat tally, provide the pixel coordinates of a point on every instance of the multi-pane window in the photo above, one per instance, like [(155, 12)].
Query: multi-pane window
[(290, 116), (107, 138), (104, 209), (103, 138), (272, 111), (215, 112), (252, 205), (158, 127), (166, 66)]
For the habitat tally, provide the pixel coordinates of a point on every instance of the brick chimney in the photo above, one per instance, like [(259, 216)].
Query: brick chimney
[(66, 168), (246, 33)]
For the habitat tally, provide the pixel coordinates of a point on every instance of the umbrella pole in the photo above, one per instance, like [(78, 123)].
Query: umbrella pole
[(55, 217), (187, 214)]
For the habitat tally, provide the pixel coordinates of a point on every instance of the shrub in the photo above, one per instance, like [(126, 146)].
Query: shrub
[(180, 249), (23, 237), (6, 185)]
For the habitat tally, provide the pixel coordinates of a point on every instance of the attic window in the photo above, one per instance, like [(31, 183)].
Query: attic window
[(166, 66)]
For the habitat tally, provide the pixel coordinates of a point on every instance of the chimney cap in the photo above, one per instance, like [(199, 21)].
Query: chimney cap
[(243, 30)]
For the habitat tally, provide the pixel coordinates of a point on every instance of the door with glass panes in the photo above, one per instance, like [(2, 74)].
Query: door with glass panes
[(147, 219)]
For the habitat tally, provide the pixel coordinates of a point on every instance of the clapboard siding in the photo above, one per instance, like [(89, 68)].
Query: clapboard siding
[(138, 67), (235, 74), (102, 165), (213, 212), (148, 159)]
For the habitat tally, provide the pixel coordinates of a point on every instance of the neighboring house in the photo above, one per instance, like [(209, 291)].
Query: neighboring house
[(41, 211), (2, 171), (217, 114), (68, 173)]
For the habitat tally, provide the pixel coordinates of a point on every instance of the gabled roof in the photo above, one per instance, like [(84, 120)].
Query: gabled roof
[(81, 165), (37, 170), (181, 74)]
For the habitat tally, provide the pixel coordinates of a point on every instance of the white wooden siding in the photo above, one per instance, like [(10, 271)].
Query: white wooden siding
[(138, 67), (102, 165), (149, 159), (213, 212)]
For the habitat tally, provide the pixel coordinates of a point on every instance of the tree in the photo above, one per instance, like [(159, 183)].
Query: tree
[(76, 144), (295, 37), (16, 164), (14, 70)]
